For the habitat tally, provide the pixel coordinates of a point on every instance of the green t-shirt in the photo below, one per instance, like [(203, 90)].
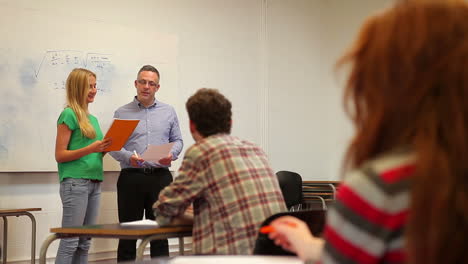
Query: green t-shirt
[(86, 167)]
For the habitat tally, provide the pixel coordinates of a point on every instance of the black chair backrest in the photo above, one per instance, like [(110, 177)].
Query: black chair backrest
[(315, 220), (291, 187)]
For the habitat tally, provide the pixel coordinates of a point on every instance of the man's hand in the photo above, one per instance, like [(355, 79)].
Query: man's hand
[(185, 219), (189, 211), (135, 161), (166, 161)]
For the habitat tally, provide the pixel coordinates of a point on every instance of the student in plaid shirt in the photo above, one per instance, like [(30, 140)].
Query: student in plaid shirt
[(228, 180)]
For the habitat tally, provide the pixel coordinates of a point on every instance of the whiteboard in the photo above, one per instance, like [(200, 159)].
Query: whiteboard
[(35, 60)]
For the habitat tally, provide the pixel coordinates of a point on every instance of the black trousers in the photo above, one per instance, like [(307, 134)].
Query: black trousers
[(137, 190)]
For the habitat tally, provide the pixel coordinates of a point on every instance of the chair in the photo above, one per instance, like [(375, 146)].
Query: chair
[(291, 187), (315, 220)]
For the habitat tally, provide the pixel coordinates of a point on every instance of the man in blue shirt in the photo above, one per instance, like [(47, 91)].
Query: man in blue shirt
[(140, 181)]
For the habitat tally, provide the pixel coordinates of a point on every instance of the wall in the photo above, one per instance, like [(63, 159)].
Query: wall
[(308, 130), (272, 58)]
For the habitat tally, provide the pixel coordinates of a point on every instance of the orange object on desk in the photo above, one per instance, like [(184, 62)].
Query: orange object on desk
[(268, 228)]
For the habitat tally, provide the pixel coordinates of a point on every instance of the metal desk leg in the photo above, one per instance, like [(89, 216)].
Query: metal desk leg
[(141, 248), (146, 240), (181, 246), (33, 236), (5, 235), (324, 204), (334, 190), (45, 246)]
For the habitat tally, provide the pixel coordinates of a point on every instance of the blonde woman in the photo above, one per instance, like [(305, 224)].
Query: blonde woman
[(79, 150)]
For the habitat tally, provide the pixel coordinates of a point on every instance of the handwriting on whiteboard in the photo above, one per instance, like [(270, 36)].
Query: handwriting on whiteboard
[(57, 64)]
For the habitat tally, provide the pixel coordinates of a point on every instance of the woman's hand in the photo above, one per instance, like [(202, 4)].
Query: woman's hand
[(63, 154), (294, 235), (100, 145)]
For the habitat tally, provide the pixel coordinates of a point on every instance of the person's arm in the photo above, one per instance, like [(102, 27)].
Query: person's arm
[(62, 154), (293, 235), (179, 195), (123, 155), (174, 136), (185, 219), (365, 225), (361, 210)]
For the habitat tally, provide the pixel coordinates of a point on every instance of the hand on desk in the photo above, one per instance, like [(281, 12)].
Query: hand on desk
[(189, 210), (294, 235), (184, 219)]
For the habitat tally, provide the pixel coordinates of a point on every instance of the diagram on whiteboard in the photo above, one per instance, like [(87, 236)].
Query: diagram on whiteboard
[(35, 64), (57, 64)]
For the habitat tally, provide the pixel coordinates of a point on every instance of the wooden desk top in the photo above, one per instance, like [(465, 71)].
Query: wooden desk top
[(120, 230), (19, 210)]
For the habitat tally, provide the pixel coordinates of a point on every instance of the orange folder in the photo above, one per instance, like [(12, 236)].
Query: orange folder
[(120, 131)]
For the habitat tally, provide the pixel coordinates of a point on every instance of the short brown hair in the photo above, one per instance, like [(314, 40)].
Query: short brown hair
[(210, 111), (149, 68)]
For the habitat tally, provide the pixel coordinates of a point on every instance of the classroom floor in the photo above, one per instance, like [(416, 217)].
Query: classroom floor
[(113, 261), (109, 261)]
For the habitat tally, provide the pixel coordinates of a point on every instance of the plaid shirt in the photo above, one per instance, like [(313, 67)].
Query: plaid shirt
[(233, 189)]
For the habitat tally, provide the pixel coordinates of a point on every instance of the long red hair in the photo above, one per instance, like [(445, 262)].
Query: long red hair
[(408, 88)]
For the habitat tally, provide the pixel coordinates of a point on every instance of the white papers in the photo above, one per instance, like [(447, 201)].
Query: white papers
[(236, 260), (155, 153), (145, 222)]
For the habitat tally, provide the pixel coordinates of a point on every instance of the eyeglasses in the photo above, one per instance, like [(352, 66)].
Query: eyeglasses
[(150, 83)]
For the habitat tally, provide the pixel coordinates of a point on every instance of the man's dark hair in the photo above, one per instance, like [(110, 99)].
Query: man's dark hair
[(210, 111), (148, 68)]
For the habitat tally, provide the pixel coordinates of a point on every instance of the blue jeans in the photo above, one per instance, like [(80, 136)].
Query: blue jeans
[(80, 201)]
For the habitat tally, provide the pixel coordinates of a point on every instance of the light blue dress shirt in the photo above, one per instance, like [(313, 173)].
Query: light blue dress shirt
[(158, 125)]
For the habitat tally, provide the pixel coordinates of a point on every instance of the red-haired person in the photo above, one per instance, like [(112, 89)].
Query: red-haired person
[(404, 198)]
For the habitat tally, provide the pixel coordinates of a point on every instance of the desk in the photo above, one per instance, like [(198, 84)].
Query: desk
[(18, 212), (146, 233), (225, 259)]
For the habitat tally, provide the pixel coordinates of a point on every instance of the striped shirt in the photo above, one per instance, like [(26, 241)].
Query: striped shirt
[(366, 224), (233, 189)]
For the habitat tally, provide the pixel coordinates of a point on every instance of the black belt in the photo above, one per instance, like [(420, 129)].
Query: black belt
[(145, 170)]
